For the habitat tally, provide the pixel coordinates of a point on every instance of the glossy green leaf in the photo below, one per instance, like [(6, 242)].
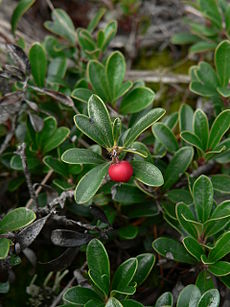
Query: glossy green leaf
[(222, 62), (128, 232), (113, 302), (184, 216), (62, 25), (192, 139), (98, 264), (193, 247), (180, 195), (220, 268), (177, 166), (99, 114), (221, 248), (57, 68), (142, 124), (172, 250), (210, 9), (82, 94), (123, 277), (189, 296), (4, 248), (94, 22), (185, 117), (221, 183), (50, 126), (165, 300), (32, 161), (201, 127), (145, 264), (202, 46), (79, 296), (203, 197), (165, 136), (18, 12), (219, 128), (109, 32), (16, 219), (127, 194), (56, 139), (97, 77), (202, 89), (81, 156), (204, 281), (117, 125), (90, 183), (206, 74), (38, 63), (56, 165), (210, 298), (115, 71), (137, 100), (147, 173)]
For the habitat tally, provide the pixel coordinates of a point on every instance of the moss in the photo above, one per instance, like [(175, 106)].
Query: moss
[(156, 60)]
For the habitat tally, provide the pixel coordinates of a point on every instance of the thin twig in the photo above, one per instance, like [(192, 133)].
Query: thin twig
[(46, 178), (61, 199), (157, 77), (21, 152)]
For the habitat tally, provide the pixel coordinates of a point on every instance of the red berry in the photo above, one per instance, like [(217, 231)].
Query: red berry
[(121, 171)]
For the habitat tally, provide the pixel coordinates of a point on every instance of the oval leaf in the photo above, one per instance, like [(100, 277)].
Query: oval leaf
[(81, 156), (90, 183), (189, 296), (79, 295), (38, 63), (18, 12), (147, 173)]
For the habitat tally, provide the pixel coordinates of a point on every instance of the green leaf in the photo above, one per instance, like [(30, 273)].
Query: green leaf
[(189, 296), (94, 22), (184, 38), (210, 298), (172, 250), (184, 217), (147, 173), (220, 268), (219, 127), (82, 94), (145, 264), (142, 124), (123, 277), (113, 302), (127, 194), (202, 89), (4, 248), (178, 165), (191, 139), (180, 195), (222, 62), (221, 183), (203, 197), (193, 247), (90, 183), (57, 68), (128, 232), (99, 114), (98, 264), (204, 281), (18, 12), (117, 125), (81, 156), (203, 46), (221, 248), (80, 296), (207, 75), (56, 165), (109, 33), (50, 126), (185, 118), (16, 219), (56, 139), (38, 63), (97, 77), (115, 71), (90, 129), (210, 9), (201, 127), (137, 100), (165, 300), (62, 25), (165, 136)]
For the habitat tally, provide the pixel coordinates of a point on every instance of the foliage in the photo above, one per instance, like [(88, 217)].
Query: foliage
[(69, 115)]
